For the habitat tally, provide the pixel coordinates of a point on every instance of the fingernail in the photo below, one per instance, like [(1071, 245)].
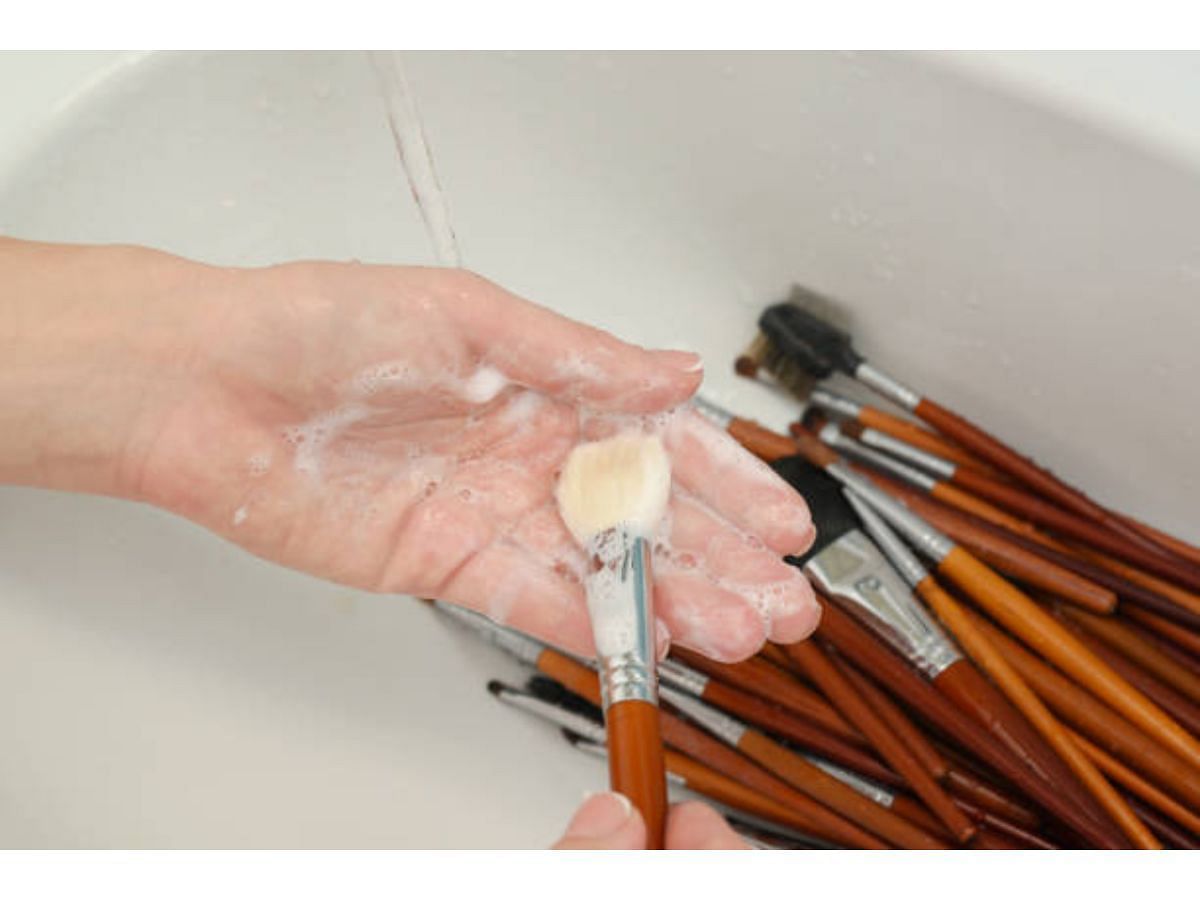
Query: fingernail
[(602, 815), (680, 360)]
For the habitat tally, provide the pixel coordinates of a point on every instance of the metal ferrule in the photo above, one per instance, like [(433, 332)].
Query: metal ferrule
[(839, 440), (902, 559), (629, 675), (685, 678), (889, 387), (834, 403), (523, 647), (853, 780), (718, 415), (930, 462), (555, 715), (727, 728), (920, 534), (853, 572)]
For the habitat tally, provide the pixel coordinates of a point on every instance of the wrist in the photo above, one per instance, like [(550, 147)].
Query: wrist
[(93, 343)]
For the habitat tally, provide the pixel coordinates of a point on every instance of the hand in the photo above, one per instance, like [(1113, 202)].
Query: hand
[(393, 429), (609, 822)]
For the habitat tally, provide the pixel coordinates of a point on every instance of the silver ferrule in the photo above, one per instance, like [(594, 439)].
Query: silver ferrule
[(718, 415), (923, 459), (621, 605), (555, 715), (927, 539), (682, 677), (523, 647), (902, 559), (853, 780), (834, 403), (854, 573), (727, 728), (887, 386), (839, 440)]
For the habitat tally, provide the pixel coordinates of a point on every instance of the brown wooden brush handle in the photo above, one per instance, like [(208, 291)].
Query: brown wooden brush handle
[(767, 445), (1097, 721), (988, 658), (1160, 587), (806, 777), (894, 674), (764, 680), (1174, 640), (895, 719), (777, 720), (1026, 471), (688, 739), (1179, 707), (1066, 523), (1180, 548), (910, 433), (1139, 786), (1039, 630), (977, 697), (708, 781), (1004, 553), (838, 688), (635, 764), (1172, 836), (989, 799), (1117, 635)]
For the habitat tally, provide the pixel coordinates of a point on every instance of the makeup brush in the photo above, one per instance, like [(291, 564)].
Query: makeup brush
[(611, 495), (1009, 606), (773, 719), (1006, 679), (1011, 498), (888, 670), (799, 345), (1096, 721), (680, 769), (849, 567)]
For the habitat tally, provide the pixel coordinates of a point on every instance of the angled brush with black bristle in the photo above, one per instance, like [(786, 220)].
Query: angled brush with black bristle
[(799, 342)]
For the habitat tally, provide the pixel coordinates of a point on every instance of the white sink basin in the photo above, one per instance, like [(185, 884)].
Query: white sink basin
[(166, 689)]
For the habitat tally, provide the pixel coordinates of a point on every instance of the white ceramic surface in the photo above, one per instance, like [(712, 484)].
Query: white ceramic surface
[(161, 688)]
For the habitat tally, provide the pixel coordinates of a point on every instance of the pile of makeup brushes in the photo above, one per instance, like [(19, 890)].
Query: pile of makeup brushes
[(1002, 662)]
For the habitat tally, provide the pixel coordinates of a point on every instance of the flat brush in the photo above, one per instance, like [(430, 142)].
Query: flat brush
[(853, 570), (1009, 606), (612, 495), (1006, 678), (800, 345), (893, 673)]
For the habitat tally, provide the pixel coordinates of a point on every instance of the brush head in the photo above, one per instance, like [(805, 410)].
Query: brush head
[(552, 692), (803, 340), (619, 483), (832, 515)]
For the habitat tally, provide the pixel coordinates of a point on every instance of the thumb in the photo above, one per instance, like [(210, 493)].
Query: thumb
[(604, 822), (571, 361)]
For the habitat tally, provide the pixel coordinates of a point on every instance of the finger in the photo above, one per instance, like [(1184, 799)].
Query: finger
[(706, 618), (740, 563), (697, 826), (604, 822), (569, 360), (736, 485)]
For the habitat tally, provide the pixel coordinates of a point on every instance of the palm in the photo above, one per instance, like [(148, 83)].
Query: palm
[(355, 424)]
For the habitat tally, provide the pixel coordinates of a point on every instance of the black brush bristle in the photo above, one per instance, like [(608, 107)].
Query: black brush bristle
[(552, 692), (832, 515), (806, 341)]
